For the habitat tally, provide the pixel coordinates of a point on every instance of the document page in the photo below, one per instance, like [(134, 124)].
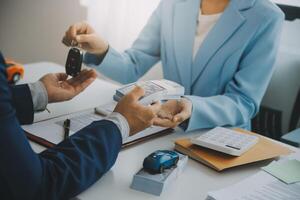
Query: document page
[(81, 121), (287, 171), (53, 131), (261, 186)]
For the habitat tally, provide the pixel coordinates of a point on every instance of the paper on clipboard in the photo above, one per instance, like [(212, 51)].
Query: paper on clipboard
[(52, 130)]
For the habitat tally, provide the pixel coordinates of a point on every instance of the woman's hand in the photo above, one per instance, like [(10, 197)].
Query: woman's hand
[(173, 113), (139, 117), (60, 88), (83, 35)]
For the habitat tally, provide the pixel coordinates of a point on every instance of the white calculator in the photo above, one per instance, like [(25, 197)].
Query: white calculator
[(155, 90), (226, 140)]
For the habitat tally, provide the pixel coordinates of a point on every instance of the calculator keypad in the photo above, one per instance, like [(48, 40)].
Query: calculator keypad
[(226, 139)]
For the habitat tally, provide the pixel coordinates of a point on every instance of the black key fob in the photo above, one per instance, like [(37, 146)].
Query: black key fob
[(74, 62)]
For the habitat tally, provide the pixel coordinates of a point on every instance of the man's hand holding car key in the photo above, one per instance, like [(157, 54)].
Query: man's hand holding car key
[(59, 88)]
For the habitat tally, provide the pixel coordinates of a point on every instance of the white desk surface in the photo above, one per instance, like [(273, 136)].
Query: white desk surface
[(193, 183)]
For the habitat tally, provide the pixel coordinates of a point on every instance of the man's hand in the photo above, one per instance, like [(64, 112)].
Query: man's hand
[(83, 35), (139, 117), (60, 88), (173, 113)]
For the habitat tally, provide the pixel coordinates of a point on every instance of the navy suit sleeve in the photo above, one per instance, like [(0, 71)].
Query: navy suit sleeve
[(22, 102), (21, 99), (58, 173)]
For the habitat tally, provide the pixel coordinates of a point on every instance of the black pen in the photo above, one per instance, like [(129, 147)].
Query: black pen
[(67, 124)]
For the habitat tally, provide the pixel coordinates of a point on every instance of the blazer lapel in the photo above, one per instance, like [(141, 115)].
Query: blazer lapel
[(228, 23), (184, 27)]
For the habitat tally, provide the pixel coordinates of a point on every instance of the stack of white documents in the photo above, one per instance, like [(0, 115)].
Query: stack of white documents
[(261, 186)]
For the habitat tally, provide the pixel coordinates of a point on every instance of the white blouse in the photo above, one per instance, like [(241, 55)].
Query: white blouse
[(204, 24)]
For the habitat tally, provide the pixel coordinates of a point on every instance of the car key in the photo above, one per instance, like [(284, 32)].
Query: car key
[(74, 62)]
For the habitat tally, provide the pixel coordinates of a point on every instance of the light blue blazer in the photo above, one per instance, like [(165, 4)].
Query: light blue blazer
[(232, 68)]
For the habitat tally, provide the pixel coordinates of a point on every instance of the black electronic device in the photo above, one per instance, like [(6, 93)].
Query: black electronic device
[(74, 62)]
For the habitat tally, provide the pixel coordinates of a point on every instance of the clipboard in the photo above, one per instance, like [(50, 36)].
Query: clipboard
[(50, 132), (45, 143)]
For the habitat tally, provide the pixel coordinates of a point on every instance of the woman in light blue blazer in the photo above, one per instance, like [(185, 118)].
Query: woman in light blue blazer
[(225, 80)]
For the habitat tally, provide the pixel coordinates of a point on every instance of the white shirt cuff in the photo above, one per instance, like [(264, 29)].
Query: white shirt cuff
[(39, 96), (121, 123)]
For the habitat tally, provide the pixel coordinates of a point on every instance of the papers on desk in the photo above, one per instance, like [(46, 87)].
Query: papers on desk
[(52, 130), (287, 171), (261, 186), (82, 120)]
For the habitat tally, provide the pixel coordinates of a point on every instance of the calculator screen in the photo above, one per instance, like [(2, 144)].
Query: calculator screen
[(149, 87)]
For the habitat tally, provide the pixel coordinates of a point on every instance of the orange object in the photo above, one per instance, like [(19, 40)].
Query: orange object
[(15, 71), (263, 150)]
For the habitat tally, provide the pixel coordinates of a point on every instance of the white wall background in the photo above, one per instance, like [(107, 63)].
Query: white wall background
[(31, 30), (288, 2), (120, 22)]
